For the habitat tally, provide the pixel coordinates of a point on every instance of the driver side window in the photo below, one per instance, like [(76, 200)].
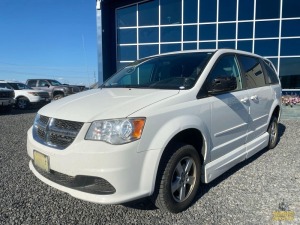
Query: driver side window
[(226, 66)]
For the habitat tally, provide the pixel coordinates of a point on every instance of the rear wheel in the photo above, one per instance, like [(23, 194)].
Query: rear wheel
[(58, 96), (22, 103), (273, 133), (178, 179)]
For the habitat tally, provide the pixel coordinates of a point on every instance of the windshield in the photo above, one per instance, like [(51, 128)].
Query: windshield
[(178, 71), (54, 83), (19, 86)]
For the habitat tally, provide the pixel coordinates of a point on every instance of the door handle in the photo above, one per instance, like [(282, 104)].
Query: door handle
[(244, 100), (254, 97)]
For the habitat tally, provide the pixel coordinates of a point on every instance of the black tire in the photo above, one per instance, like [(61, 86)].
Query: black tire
[(178, 179), (273, 132), (22, 103), (58, 96)]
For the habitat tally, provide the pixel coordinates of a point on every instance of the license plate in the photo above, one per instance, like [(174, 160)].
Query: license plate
[(41, 161)]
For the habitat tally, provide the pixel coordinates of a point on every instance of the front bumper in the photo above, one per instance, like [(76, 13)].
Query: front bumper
[(129, 172)]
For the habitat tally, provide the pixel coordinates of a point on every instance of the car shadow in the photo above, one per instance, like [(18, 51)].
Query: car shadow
[(146, 203), (23, 111)]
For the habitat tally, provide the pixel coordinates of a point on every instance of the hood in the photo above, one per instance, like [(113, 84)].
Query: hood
[(106, 103)]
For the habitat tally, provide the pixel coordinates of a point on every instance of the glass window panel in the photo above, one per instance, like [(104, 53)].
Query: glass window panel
[(246, 9), (207, 32), (126, 17), (189, 46), (170, 11), (127, 53), (207, 45), (266, 47), (170, 48), (290, 8), (148, 13), (290, 47), (290, 28), (289, 73), (253, 71), (226, 44), (227, 31), (208, 11), (147, 50), (245, 30), (190, 33), (244, 46), (267, 29), (190, 11), (170, 34), (148, 35), (267, 9), (227, 10), (126, 36)]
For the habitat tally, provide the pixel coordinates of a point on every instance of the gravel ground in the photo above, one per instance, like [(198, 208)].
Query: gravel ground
[(247, 194)]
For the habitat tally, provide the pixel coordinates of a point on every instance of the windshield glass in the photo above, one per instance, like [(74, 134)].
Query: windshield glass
[(178, 71), (54, 83), (19, 86)]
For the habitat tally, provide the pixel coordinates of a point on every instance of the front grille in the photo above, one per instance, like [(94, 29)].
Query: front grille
[(55, 133), (88, 184)]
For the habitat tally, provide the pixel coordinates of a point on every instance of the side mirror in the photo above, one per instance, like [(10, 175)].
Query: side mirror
[(222, 84)]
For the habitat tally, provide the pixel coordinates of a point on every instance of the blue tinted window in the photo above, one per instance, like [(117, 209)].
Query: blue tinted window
[(126, 17), (289, 72), (267, 9), (147, 50), (170, 48), (190, 46), (227, 10), (127, 53), (226, 44), (266, 47), (245, 30), (290, 28), (170, 34), (246, 9), (208, 11), (227, 31), (290, 47), (190, 33), (170, 11), (245, 46), (207, 45), (148, 13), (290, 8), (207, 32), (148, 35), (126, 36), (267, 29), (190, 11), (274, 61)]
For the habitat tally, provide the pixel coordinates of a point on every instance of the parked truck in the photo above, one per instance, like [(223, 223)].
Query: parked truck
[(55, 89)]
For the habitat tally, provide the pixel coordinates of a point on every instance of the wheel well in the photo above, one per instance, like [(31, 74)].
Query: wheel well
[(276, 112), (21, 96), (191, 137), (58, 93)]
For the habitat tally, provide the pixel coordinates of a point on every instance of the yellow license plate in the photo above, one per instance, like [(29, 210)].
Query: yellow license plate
[(41, 161)]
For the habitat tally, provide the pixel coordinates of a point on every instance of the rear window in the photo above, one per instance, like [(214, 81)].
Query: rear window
[(271, 77)]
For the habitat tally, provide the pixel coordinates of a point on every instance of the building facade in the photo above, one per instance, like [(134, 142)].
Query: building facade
[(129, 30)]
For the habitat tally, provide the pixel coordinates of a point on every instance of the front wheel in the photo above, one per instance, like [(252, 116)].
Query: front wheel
[(22, 103), (273, 133), (178, 179)]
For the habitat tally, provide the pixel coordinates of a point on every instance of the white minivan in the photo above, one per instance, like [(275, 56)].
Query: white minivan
[(159, 127)]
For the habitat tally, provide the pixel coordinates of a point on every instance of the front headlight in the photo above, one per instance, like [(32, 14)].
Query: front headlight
[(116, 131)]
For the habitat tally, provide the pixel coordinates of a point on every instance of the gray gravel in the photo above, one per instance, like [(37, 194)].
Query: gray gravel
[(247, 194)]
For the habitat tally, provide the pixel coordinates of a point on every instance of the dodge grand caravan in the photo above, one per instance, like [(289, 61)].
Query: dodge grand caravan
[(159, 127)]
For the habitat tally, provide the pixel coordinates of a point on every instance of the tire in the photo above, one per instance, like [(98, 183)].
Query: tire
[(58, 96), (22, 103), (273, 132), (178, 179)]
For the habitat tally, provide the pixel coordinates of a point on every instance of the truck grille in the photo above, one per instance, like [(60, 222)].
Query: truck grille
[(55, 133)]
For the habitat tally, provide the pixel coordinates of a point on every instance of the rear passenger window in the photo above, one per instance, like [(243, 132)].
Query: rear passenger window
[(253, 72), (31, 83), (271, 77)]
